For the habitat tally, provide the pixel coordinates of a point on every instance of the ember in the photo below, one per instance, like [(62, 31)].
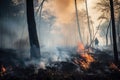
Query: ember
[(113, 66), (3, 69)]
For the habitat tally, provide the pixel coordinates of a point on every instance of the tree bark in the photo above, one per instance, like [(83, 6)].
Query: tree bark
[(114, 32), (33, 38), (88, 20), (107, 32), (78, 21)]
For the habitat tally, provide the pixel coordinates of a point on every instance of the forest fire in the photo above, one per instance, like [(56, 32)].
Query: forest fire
[(85, 59)]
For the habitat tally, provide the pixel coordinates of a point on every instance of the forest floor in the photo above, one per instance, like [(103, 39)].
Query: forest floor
[(102, 68)]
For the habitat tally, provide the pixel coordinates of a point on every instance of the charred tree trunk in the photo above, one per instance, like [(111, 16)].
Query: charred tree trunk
[(114, 32), (34, 44)]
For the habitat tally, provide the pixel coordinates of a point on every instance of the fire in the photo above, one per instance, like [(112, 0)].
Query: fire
[(85, 59), (3, 69), (113, 66), (80, 47)]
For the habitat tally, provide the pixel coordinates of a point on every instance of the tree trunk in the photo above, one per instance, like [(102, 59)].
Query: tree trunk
[(118, 30), (114, 32), (107, 32), (33, 38), (111, 39), (88, 21), (78, 21)]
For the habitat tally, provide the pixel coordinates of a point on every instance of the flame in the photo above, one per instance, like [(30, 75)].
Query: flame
[(113, 66), (80, 47), (3, 69), (86, 59)]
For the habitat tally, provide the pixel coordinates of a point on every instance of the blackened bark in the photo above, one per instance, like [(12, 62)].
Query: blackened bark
[(114, 32), (34, 44)]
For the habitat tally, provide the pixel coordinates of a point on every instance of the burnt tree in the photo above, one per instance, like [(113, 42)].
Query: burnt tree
[(33, 38), (114, 32)]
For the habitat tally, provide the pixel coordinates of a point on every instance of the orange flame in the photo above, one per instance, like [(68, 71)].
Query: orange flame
[(88, 59), (80, 47)]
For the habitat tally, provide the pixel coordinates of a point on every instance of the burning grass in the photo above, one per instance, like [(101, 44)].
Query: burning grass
[(84, 61)]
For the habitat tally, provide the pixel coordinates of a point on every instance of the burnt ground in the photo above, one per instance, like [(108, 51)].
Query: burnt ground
[(101, 69)]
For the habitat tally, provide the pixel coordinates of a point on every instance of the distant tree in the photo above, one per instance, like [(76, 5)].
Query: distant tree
[(104, 7), (88, 20)]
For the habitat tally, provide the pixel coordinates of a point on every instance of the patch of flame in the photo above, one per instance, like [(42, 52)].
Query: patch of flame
[(80, 47), (3, 69), (88, 59), (113, 66), (85, 61)]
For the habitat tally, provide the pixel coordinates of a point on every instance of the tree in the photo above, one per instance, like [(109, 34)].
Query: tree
[(114, 32), (78, 21), (34, 44), (104, 7), (88, 20)]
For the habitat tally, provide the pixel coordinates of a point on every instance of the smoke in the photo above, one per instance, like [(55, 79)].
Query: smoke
[(6, 35), (62, 9), (56, 31)]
